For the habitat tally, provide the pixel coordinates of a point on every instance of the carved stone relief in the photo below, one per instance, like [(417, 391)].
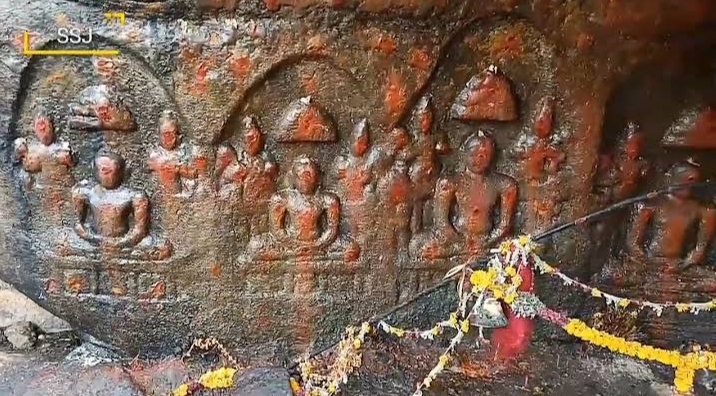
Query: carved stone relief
[(283, 181), (470, 128), (663, 243), (43, 156), (295, 216), (93, 216), (465, 205), (112, 220)]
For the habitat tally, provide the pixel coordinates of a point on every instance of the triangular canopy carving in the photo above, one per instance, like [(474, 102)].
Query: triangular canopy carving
[(304, 121), (487, 96), (694, 129)]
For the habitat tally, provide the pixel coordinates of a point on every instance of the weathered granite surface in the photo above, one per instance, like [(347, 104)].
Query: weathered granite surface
[(389, 369), (15, 307), (269, 172)]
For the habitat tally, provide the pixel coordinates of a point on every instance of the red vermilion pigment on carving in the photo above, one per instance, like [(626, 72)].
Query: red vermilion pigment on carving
[(514, 339)]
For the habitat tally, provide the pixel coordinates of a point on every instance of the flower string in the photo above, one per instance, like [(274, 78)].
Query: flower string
[(348, 359), (501, 280), (462, 327), (452, 322), (421, 334), (685, 365), (622, 302), (523, 249), (222, 378)]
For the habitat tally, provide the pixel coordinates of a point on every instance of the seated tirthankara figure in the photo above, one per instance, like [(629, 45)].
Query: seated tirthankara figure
[(671, 220), (113, 220), (303, 221), (466, 204)]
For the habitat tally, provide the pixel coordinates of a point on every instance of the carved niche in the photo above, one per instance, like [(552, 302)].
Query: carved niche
[(662, 249), (481, 127), (82, 147)]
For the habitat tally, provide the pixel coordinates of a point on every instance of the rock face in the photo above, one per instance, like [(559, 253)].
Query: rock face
[(15, 307), (271, 172), (262, 382), (21, 335)]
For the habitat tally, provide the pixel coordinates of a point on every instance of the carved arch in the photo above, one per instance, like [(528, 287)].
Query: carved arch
[(146, 117), (238, 106), (301, 104), (670, 98)]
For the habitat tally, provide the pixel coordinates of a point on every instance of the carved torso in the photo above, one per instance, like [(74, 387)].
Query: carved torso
[(110, 210), (36, 155), (259, 183), (542, 160), (356, 177), (232, 175), (167, 164), (671, 222), (628, 175), (304, 214), (425, 169), (475, 198), (39, 154), (395, 186)]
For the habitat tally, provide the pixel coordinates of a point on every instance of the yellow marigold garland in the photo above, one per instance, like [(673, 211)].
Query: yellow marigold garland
[(685, 365), (618, 301), (501, 279), (222, 378), (181, 390), (218, 379)]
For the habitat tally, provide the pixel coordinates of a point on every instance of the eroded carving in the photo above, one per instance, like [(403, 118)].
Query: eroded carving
[(44, 155), (170, 160), (230, 173), (304, 220), (695, 128), (671, 218), (261, 169), (79, 282), (304, 121), (249, 175), (114, 283), (112, 219), (465, 206), (357, 182), (621, 175), (200, 178), (425, 169), (542, 160), (100, 108), (394, 187), (487, 96), (542, 157), (544, 120)]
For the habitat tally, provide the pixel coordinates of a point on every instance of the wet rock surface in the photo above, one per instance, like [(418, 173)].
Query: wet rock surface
[(390, 368), (262, 382), (548, 369)]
